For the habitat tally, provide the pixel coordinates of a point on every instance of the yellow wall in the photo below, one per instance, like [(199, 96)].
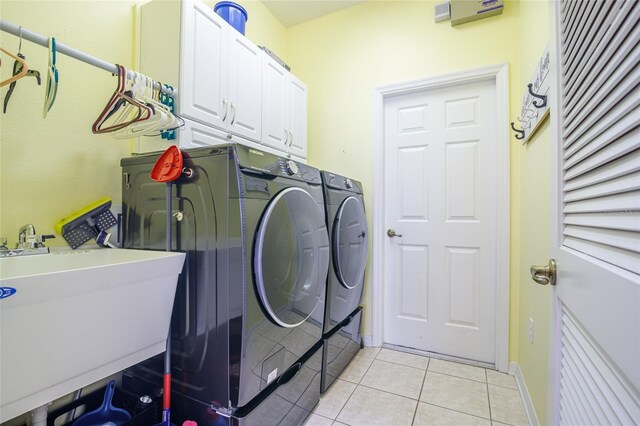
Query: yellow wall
[(535, 218), (342, 57), (54, 166)]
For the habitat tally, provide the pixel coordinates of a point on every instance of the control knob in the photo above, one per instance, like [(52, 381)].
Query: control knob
[(291, 167), (348, 184)]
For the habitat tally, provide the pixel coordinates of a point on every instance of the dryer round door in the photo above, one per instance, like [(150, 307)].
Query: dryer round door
[(291, 257), (350, 243)]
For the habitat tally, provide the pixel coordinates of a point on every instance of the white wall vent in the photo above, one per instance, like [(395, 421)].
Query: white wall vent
[(443, 12)]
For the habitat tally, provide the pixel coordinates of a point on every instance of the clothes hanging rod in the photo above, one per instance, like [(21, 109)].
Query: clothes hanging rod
[(14, 29)]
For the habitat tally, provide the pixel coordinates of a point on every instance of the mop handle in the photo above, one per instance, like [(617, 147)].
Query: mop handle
[(166, 393)]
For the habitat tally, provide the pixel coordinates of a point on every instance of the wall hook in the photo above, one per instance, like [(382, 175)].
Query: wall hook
[(519, 133), (543, 98)]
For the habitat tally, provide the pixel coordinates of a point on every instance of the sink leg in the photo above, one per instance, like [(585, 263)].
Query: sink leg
[(39, 416)]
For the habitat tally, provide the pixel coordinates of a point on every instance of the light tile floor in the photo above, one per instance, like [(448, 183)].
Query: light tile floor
[(391, 388)]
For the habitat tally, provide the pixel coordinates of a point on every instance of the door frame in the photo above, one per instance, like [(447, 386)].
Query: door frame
[(498, 73)]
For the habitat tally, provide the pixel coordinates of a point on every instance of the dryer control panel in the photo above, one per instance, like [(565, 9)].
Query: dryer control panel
[(335, 181)]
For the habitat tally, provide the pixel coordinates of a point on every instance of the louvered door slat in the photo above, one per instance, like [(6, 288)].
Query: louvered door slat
[(577, 36), (612, 203), (576, 404), (609, 187), (621, 222), (572, 15), (568, 418), (619, 239), (591, 64), (566, 7), (579, 384), (605, 131), (597, 413), (611, 169), (605, 395), (617, 401), (575, 28), (606, 90), (576, 363), (602, 12)]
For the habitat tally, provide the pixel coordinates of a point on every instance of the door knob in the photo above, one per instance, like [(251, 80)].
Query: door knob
[(391, 233), (544, 274)]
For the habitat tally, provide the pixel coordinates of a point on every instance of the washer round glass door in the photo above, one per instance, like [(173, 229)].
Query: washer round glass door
[(291, 257), (350, 243)]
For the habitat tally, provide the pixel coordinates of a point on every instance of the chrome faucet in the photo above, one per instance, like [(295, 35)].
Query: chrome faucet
[(28, 243), (27, 238)]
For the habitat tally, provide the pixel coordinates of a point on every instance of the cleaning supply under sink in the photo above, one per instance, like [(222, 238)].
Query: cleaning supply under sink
[(87, 223), (106, 414)]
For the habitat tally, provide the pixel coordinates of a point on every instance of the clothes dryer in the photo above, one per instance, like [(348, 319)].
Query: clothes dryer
[(347, 225), (245, 321)]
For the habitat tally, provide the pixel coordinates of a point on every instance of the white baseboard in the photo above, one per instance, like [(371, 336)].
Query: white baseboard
[(367, 340), (514, 368)]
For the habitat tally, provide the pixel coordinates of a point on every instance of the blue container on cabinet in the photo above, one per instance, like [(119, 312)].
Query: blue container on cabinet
[(233, 13)]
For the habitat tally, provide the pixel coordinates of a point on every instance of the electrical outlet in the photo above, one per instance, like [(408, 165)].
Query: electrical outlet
[(530, 330)]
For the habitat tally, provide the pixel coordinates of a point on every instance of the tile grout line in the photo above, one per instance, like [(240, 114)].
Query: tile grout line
[(391, 393), (457, 411), (488, 397), (424, 379), (354, 389), (345, 404), (465, 378)]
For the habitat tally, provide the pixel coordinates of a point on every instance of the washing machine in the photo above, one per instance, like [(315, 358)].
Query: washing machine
[(349, 240), (247, 319)]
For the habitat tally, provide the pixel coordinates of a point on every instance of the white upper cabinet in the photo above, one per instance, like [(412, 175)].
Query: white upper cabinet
[(284, 109), (220, 74), (203, 76), (224, 80), (274, 104), (297, 116), (245, 87)]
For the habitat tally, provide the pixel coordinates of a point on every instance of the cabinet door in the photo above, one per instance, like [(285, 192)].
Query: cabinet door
[(203, 76), (245, 87), (274, 100), (297, 114)]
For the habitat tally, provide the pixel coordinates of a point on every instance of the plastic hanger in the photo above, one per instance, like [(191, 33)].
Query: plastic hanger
[(162, 119), (128, 105), (122, 107), (140, 90), (18, 67), (20, 74), (51, 88)]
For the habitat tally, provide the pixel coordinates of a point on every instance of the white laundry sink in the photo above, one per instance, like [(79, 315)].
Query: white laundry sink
[(68, 319)]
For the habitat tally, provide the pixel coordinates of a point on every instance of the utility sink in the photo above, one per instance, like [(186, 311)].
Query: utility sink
[(68, 319)]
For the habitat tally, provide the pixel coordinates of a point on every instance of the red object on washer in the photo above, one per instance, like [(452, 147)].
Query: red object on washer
[(169, 165)]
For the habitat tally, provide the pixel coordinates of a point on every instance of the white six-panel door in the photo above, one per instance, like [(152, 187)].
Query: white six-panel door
[(441, 196)]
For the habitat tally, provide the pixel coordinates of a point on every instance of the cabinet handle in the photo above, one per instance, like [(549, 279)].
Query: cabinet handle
[(233, 109), (286, 137), (224, 113), (290, 140)]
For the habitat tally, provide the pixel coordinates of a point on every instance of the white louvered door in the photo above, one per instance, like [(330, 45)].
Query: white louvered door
[(595, 360)]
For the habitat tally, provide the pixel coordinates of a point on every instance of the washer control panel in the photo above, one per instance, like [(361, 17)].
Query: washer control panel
[(291, 167), (348, 184), (256, 161)]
